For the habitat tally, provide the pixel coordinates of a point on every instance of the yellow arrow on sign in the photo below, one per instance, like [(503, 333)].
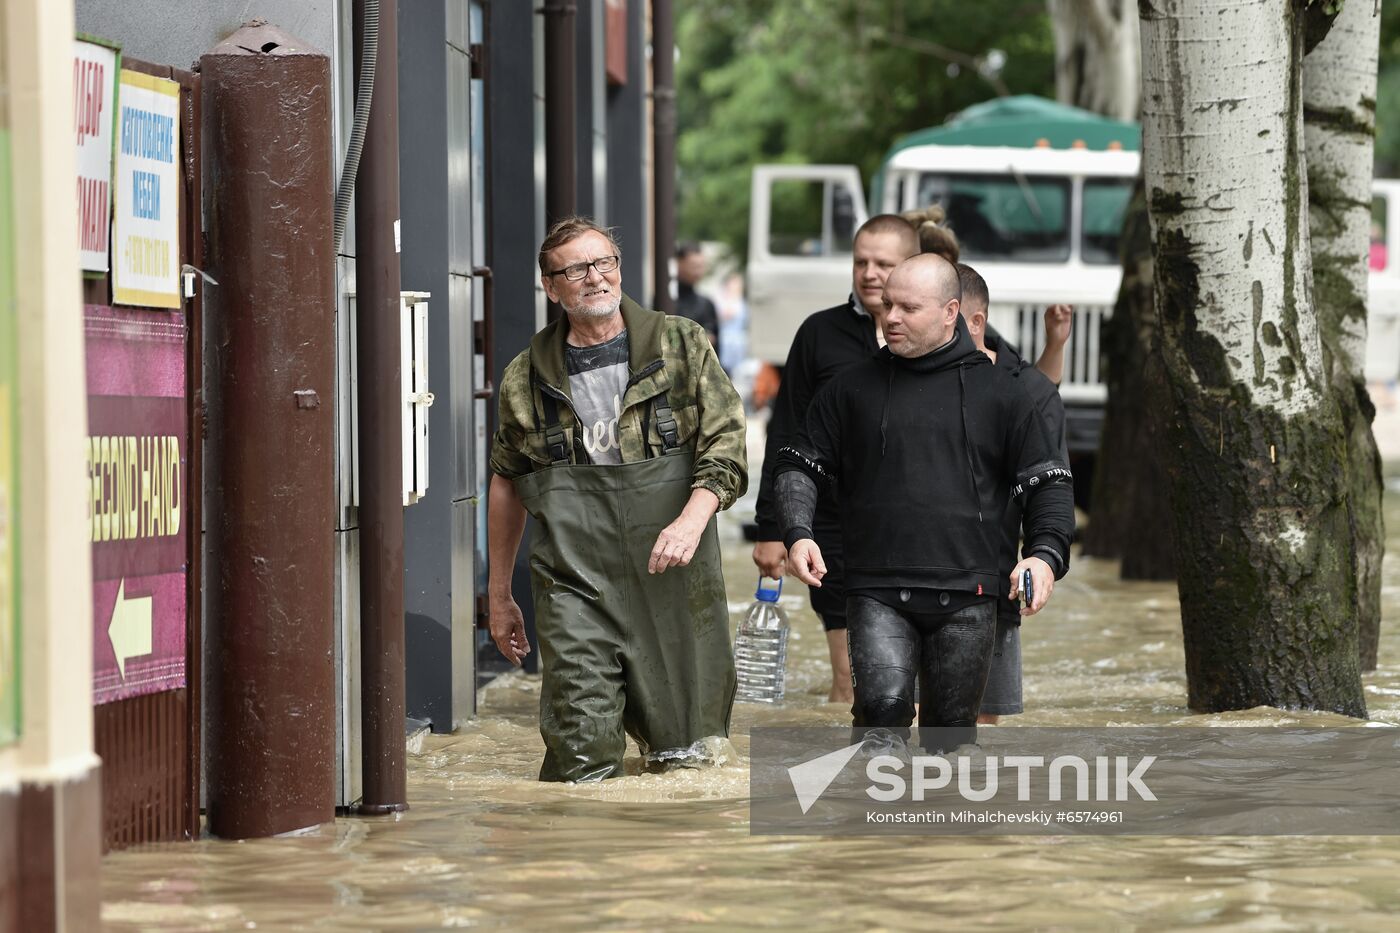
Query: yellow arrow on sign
[(130, 628)]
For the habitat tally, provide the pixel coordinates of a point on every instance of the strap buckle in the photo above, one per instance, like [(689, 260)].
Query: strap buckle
[(553, 434), (665, 423)]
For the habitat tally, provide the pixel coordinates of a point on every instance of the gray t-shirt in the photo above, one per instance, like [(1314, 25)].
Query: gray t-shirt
[(597, 382)]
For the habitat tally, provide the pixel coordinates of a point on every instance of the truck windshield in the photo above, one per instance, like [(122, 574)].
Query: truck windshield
[(1005, 218), (1105, 207)]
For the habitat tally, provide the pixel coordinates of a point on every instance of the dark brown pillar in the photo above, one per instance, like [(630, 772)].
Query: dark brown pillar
[(560, 116), (560, 111), (663, 105), (381, 415), (271, 467)]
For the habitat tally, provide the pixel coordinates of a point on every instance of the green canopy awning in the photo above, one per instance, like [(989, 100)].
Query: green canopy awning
[(1019, 122)]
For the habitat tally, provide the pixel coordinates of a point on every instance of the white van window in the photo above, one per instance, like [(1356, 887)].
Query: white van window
[(1105, 209), (810, 218), (1003, 218)]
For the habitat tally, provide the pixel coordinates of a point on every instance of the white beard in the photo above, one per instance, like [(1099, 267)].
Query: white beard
[(594, 311)]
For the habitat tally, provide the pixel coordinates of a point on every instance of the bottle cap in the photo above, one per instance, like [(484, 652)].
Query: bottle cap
[(769, 589)]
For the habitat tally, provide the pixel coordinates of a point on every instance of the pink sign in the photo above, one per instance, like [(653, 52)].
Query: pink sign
[(137, 495)]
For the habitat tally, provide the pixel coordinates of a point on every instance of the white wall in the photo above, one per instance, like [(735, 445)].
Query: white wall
[(54, 546)]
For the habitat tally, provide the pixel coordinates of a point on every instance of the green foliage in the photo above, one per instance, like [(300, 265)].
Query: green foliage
[(1326, 7), (1388, 95), (828, 81)]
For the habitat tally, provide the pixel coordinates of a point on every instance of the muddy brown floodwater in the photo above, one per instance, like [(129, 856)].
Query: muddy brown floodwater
[(487, 846)]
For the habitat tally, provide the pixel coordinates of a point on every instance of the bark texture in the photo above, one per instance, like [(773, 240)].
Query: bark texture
[(1339, 110), (1098, 65), (1128, 483), (1256, 453)]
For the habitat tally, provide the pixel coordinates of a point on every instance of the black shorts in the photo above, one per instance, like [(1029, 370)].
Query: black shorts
[(829, 599), (1002, 696)]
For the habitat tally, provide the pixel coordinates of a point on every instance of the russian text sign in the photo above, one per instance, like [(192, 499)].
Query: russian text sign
[(94, 106), (137, 491), (146, 230)]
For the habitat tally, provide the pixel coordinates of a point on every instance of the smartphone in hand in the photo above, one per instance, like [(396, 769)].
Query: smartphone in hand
[(1027, 588)]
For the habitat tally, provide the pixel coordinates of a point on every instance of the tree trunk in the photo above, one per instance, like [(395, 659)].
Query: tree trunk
[(1255, 454), (1339, 123), (1127, 492), (1097, 62), (1097, 66)]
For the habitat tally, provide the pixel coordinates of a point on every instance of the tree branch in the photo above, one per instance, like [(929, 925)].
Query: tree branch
[(953, 56), (1104, 27)]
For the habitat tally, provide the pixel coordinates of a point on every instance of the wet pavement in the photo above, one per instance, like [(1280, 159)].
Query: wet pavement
[(487, 846)]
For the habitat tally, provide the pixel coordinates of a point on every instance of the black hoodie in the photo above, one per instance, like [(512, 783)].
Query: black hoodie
[(1052, 412), (826, 343), (926, 454)]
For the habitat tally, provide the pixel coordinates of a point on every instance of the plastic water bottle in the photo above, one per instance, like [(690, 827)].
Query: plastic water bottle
[(760, 648)]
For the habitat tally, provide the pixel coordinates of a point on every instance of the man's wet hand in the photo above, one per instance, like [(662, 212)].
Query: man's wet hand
[(770, 557), (805, 562), (508, 629), (676, 544), (1042, 584)]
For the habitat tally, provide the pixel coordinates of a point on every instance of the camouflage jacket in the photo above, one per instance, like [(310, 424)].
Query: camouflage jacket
[(665, 354)]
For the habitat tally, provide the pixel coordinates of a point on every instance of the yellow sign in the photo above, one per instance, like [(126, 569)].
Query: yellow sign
[(135, 490)]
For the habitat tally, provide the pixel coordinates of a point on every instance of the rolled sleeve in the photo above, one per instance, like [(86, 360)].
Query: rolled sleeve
[(515, 405), (508, 458), (721, 457)]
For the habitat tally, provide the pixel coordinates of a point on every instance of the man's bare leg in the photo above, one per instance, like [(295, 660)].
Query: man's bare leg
[(987, 719), (841, 689)]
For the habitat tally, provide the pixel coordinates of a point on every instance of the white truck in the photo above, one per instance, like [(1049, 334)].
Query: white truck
[(1036, 193)]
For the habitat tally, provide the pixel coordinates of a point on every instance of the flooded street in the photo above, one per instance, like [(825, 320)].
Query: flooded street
[(487, 846)]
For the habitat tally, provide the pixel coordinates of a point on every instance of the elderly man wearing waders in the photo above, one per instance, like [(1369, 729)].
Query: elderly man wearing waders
[(621, 436), (927, 441)]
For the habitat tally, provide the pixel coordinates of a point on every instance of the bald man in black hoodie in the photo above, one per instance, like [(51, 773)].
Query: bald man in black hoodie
[(926, 441)]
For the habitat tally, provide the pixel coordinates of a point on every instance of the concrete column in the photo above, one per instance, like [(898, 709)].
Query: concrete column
[(50, 795)]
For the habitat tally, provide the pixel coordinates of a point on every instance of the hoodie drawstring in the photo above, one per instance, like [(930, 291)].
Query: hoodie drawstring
[(967, 443), (885, 414)]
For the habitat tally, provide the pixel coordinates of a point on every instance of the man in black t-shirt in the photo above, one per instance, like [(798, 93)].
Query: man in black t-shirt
[(828, 342)]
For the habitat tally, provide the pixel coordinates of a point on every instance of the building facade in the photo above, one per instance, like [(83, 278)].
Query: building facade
[(472, 115)]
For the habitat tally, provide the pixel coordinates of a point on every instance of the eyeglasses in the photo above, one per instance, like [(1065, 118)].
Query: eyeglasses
[(579, 270)]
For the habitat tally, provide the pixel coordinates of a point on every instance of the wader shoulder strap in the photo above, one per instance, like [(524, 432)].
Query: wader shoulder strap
[(553, 433), (665, 423)]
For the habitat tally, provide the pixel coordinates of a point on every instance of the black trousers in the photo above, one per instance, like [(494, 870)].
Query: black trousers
[(951, 652)]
